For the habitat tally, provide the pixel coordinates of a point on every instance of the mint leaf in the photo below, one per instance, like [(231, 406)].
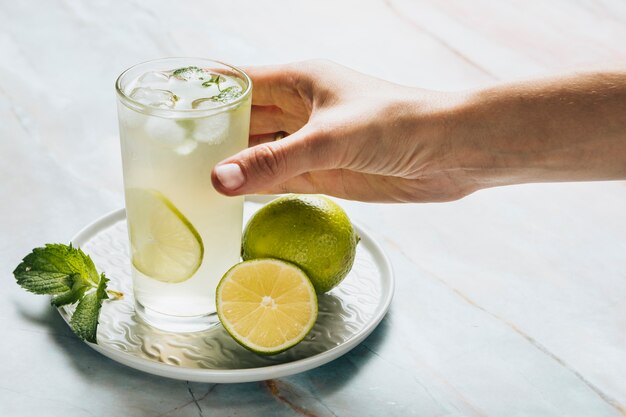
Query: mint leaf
[(227, 95), (216, 79), (189, 73), (84, 321), (71, 296), (55, 269), (90, 268)]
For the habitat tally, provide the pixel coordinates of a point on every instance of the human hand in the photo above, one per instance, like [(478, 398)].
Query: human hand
[(361, 138), (348, 135)]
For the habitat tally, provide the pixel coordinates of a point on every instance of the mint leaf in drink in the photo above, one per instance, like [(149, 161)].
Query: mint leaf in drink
[(55, 269), (216, 79), (189, 73), (227, 95), (84, 321), (70, 276)]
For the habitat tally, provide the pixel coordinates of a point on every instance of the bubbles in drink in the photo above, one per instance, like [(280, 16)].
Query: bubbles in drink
[(153, 97)]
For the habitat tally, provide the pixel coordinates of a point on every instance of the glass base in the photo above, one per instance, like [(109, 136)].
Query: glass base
[(176, 324)]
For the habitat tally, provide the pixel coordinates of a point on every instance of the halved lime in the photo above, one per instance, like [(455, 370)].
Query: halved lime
[(266, 305), (165, 245)]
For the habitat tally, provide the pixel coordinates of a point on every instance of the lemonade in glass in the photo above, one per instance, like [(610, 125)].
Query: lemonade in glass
[(179, 117)]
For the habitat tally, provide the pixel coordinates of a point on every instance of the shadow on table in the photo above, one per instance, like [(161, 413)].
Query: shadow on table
[(141, 394)]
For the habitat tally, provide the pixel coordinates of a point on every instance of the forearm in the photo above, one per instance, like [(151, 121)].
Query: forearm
[(560, 129)]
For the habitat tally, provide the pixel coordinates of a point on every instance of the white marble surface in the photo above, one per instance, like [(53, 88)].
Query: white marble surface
[(509, 302)]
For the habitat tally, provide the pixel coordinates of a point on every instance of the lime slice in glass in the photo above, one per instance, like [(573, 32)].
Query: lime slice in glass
[(165, 245), (266, 305)]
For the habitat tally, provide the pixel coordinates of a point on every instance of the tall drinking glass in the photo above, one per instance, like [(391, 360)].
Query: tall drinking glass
[(178, 117)]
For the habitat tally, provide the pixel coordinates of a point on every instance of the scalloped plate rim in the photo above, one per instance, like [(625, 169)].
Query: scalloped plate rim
[(246, 374)]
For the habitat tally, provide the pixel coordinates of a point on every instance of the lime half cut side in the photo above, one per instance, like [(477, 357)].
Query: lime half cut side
[(164, 244), (267, 305)]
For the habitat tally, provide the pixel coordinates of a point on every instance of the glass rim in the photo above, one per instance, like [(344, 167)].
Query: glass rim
[(146, 109)]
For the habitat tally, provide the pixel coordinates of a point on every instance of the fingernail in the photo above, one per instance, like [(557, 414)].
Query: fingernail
[(230, 176)]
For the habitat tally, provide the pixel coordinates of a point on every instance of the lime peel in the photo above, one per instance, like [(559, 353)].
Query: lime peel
[(311, 231)]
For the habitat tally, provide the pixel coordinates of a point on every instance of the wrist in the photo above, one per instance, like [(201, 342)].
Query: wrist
[(485, 139), (444, 126)]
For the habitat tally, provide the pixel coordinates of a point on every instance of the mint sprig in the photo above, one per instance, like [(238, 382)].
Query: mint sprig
[(70, 276), (189, 73), (227, 95), (216, 79)]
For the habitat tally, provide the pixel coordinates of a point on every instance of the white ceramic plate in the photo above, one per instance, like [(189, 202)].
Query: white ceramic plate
[(347, 315)]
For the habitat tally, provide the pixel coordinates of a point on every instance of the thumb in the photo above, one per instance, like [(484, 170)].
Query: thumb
[(268, 164)]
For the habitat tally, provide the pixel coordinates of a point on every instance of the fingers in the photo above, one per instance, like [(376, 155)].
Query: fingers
[(272, 84), (267, 164), (282, 98), (276, 84)]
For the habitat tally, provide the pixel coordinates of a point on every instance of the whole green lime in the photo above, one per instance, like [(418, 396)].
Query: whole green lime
[(311, 231)]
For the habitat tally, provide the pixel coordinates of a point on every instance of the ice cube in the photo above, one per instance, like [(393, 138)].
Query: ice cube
[(165, 131), (187, 147), (154, 97), (149, 79), (213, 129), (204, 103)]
